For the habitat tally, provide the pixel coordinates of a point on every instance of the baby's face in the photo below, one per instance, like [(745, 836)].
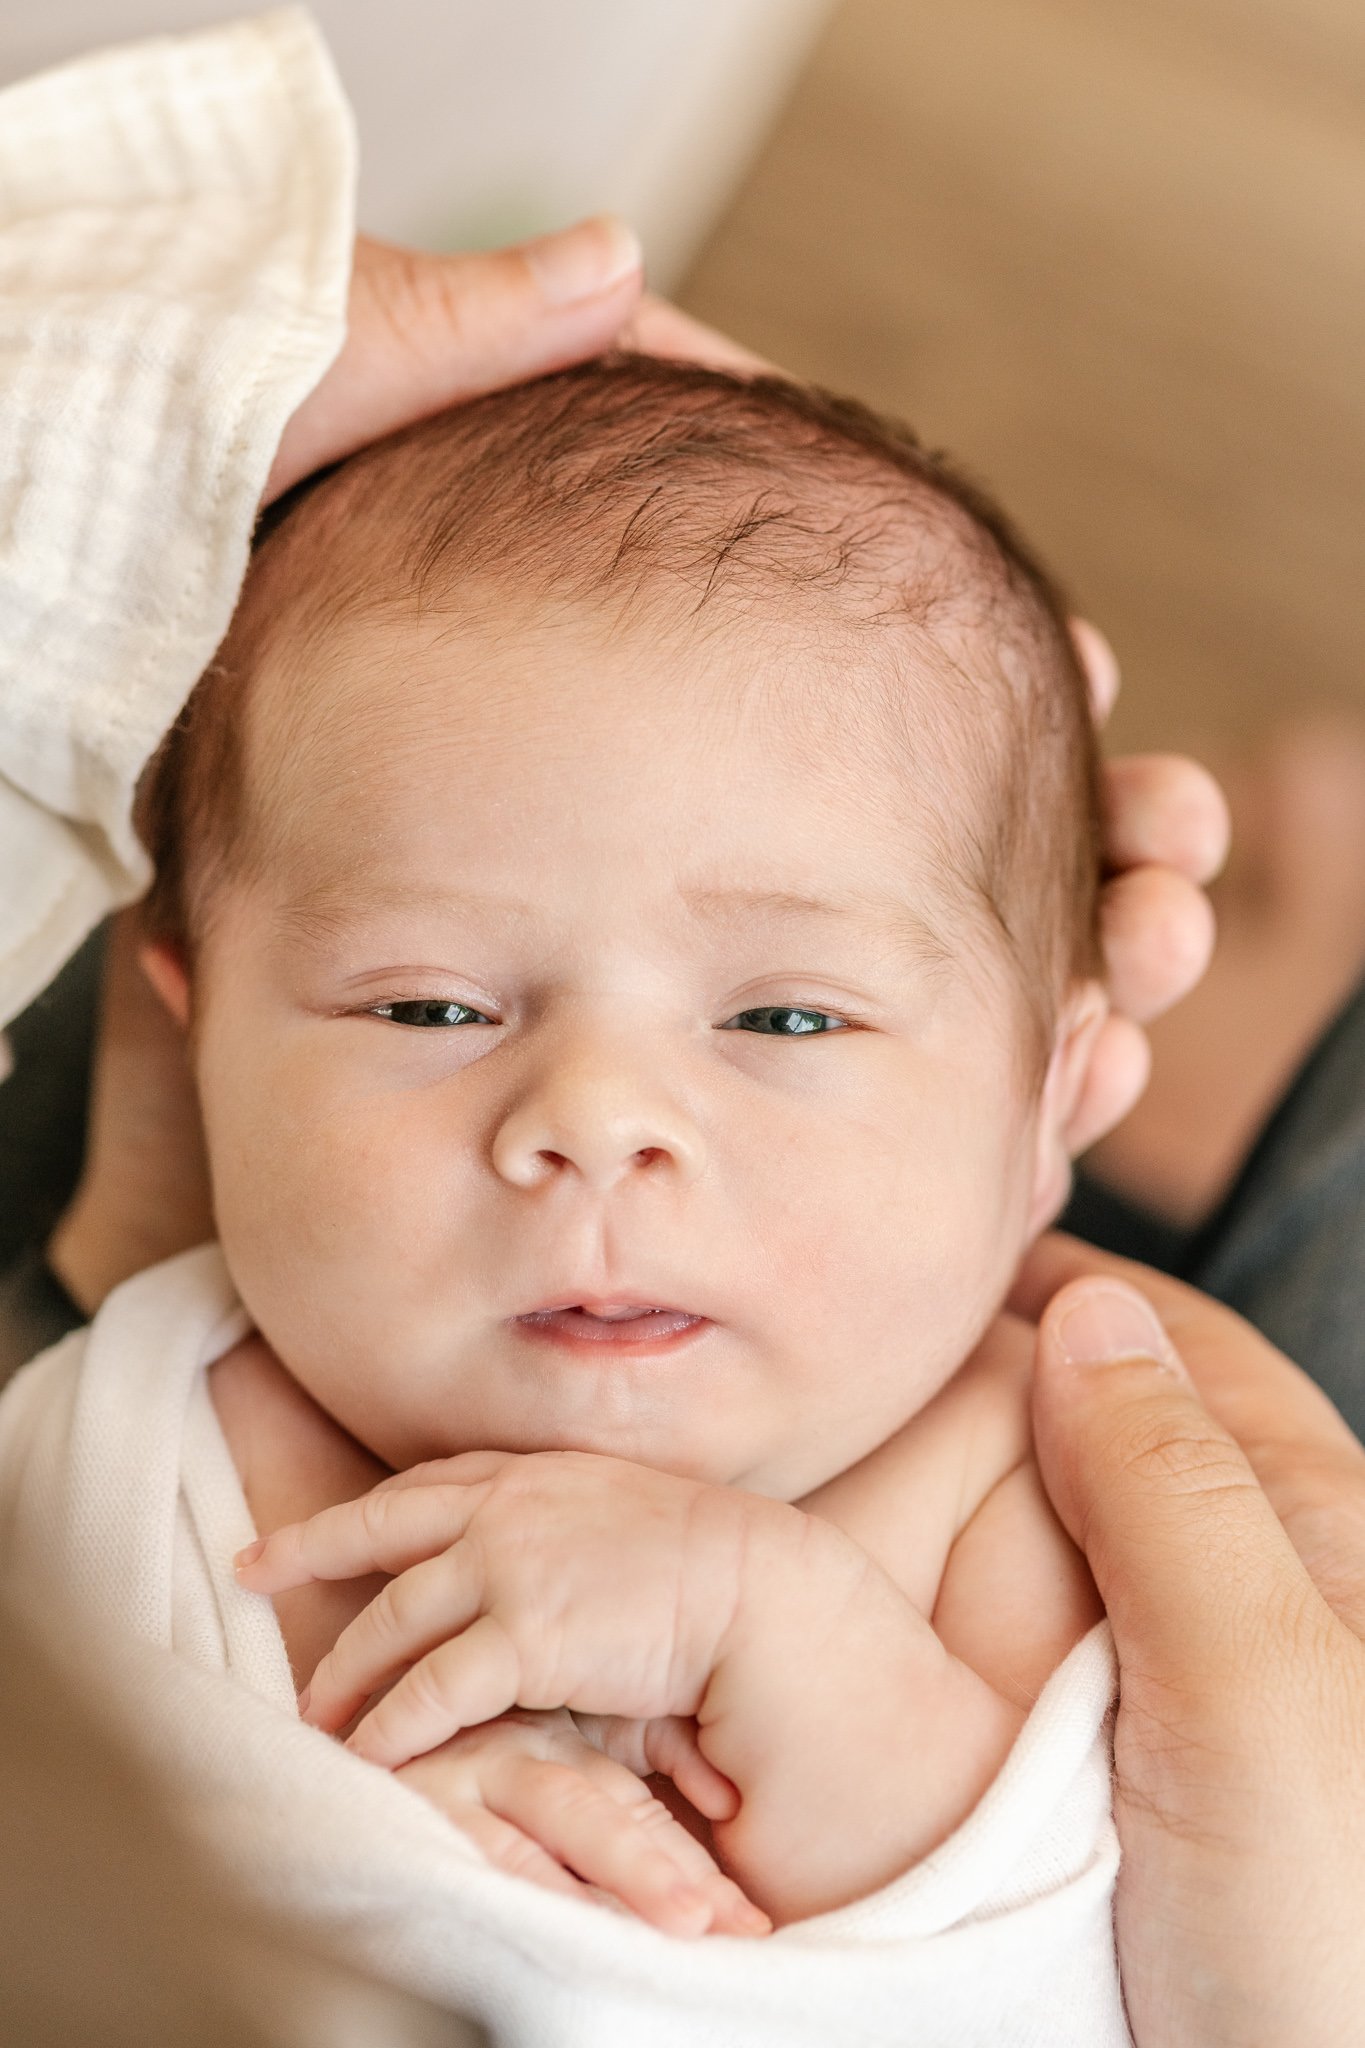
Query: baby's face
[(533, 1003)]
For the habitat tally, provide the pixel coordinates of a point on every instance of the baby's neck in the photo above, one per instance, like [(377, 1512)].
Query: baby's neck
[(293, 1460)]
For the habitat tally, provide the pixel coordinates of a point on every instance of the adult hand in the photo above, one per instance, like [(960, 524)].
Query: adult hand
[(1220, 1500), (423, 332)]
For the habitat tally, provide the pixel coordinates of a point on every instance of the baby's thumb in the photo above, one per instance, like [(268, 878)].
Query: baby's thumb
[(1186, 1551)]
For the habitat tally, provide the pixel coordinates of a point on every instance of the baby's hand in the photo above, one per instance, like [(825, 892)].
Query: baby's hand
[(545, 1580), (541, 1802), (570, 1579)]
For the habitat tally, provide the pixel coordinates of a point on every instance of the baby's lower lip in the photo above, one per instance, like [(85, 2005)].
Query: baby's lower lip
[(575, 1328)]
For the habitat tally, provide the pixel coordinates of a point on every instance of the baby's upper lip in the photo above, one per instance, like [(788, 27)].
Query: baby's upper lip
[(599, 1304)]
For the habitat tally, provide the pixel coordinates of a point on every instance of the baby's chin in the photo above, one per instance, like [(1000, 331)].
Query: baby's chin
[(747, 1417)]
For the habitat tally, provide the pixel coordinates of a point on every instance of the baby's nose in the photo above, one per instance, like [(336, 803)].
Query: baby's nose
[(604, 1124)]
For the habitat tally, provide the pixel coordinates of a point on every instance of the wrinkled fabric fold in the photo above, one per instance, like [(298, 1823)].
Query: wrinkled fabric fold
[(176, 228)]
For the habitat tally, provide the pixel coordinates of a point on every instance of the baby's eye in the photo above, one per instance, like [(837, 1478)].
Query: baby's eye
[(784, 1023), (426, 1011)]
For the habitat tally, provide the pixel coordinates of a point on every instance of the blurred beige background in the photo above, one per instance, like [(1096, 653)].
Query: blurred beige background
[(1111, 253)]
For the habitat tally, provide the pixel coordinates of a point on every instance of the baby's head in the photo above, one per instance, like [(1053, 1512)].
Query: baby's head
[(636, 844)]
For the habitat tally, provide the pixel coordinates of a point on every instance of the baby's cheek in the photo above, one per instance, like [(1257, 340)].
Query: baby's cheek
[(327, 1206), (883, 1284)]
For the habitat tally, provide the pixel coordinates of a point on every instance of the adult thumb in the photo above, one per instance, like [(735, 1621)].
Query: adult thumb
[(1186, 1550), (425, 331)]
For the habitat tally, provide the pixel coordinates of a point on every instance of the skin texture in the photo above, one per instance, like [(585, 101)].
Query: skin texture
[(612, 1108), (427, 328), (478, 1025), (424, 331), (1220, 1500), (617, 1589)]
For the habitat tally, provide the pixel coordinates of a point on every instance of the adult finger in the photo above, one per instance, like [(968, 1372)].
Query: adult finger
[(1195, 1571), (1164, 809), (424, 331), (659, 329), (1157, 931), (1307, 1460), (1238, 1788)]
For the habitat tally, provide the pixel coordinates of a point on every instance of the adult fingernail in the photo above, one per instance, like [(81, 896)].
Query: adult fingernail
[(1109, 1322), (582, 262)]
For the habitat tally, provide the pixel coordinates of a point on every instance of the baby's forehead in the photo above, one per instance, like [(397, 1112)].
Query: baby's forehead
[(506, 684), (698, 789)]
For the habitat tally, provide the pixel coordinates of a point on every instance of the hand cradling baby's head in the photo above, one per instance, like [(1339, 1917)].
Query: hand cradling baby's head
[(636, 844)]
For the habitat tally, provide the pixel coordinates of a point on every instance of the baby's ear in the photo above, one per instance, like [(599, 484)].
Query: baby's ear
[(164, 966), (1078, 1027)]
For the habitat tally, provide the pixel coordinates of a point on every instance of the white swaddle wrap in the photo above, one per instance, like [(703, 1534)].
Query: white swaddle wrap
[(113, 1469)]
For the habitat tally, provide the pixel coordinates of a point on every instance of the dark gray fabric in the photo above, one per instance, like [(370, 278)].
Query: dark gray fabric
[(42, 1105), (1114, 1223), (42, 1141), (1287, 1247), (35, 1311)]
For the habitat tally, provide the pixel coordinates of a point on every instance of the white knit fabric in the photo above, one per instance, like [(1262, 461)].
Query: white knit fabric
[(175, 243), (113, 1470)]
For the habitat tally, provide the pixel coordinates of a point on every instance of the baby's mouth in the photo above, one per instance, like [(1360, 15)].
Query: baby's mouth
[(615, 1322)]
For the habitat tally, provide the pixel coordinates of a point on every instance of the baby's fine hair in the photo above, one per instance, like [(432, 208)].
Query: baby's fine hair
[(719, 502)]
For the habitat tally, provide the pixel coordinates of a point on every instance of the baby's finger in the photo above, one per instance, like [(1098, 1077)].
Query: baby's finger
[(385, 1530), (603, 1823), (463, 1468), (473, 1678), (411, 1615), (671, 1748), (506, 1845)]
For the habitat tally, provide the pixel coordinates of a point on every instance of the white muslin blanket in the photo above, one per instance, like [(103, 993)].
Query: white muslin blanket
[(114, 1472)]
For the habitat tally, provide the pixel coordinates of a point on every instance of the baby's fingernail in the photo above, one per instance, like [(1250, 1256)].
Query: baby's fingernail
[(249, 1555), (752, 1919), (1109, 1322), (580, 262), (304, 1697)]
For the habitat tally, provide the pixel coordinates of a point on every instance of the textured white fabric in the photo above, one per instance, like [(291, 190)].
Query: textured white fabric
[(175, 244), (113, 1469)]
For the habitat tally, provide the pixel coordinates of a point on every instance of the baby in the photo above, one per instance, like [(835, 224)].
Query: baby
[(574, 761)]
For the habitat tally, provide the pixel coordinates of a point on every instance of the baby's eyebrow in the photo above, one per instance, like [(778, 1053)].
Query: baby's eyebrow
[(880, 915), (326, 909)]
